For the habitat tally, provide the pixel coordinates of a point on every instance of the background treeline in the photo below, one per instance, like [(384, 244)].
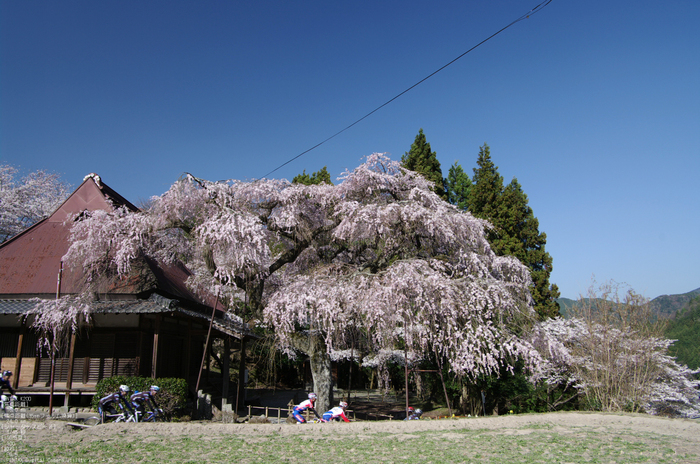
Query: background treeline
[(684, 327)]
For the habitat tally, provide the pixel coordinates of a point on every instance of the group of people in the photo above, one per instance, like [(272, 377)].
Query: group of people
[(413, 414), (135, 404), (115, 403), (335, 413)]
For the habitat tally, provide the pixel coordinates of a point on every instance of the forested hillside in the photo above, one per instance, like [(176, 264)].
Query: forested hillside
[(665, 305), (668, 305), (685, 329)]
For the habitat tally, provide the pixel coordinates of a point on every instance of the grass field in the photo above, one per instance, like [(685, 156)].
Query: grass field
[(481, 440)]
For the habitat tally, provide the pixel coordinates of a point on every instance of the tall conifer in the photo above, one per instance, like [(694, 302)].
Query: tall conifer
[(316, 178), (520, 237), (485, 195), (457, 186), (424, 161), (516, 229)]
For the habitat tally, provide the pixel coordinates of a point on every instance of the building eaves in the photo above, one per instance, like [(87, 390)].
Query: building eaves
[(155, 304)]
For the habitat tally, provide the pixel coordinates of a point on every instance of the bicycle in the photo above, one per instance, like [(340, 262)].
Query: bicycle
[(120, 417), (89, 422), (104, 419), (10, 404), (97, 420), (150, 416)]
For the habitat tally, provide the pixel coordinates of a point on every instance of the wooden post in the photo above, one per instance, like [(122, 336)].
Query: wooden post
[(240, 394), (53, 342), (206, 344), (18, 358), (69, 374), (154, 358), (225, 369)]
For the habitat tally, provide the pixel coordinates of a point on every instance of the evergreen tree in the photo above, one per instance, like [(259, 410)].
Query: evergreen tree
[(485, 195), (424, 161), (457, 186), (516, 230), (316, 178), (520, 237)]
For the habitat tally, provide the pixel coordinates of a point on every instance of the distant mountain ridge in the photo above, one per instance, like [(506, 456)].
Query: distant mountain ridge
[(669, 305), (665, 305)]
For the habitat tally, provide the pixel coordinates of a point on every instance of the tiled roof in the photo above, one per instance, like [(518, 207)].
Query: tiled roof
[(155, 304), (30, 262), (151, 305)]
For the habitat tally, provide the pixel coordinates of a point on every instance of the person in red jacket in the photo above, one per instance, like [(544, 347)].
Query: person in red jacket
[(336, 413), (303, 406)]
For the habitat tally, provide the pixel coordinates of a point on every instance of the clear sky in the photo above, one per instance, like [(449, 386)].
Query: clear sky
[(593, 105)]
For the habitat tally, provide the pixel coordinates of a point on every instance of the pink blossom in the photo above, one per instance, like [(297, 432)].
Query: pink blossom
[(377, 260)]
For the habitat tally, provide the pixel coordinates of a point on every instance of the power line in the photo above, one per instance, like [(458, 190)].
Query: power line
[(536, 9)]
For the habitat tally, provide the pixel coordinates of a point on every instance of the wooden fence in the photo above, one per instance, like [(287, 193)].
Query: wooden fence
[(277, 412)]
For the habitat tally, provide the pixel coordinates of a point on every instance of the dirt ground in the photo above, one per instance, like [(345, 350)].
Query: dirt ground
[(683, 433)]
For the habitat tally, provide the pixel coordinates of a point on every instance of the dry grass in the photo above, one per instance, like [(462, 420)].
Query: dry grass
[(545, 438)]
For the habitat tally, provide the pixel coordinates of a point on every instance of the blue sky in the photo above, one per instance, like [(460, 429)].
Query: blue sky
[(594, 106)]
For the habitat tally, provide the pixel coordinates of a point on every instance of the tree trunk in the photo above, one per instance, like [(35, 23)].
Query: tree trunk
[(465, 403), (321, 373), (320, 363), (420, 388)]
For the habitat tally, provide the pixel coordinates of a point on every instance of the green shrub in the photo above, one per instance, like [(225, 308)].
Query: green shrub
[(172, 397)]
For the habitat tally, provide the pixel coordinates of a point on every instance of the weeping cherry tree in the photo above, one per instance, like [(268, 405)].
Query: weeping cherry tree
[(378, 254)]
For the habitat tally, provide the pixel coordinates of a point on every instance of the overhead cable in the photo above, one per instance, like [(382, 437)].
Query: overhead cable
[(536, 9)]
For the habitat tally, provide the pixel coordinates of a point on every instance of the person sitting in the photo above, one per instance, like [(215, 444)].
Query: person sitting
[(336, 413), (146, 399), (303, 406), (5, 384), (110, 403)]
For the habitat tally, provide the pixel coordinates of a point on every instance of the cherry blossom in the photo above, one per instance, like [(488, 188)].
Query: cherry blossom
[(28, 200), (379, 255), (55, 319), (619, 369)]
